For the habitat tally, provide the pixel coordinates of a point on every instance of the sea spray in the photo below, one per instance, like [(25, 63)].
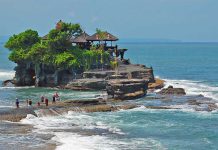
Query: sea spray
[(6, 75), (194, 87)]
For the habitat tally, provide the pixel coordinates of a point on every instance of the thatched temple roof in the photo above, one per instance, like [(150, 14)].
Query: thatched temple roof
[(84, 37), (81, 38), (108, 37)]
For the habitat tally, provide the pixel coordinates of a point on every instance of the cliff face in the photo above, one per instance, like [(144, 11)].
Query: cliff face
[(127, 82), (28, 74), (40, 75), (24, 75)]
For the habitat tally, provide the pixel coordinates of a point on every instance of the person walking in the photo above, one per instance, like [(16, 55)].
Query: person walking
[(56, 96), (30, 102), (53, 99), (27, 102), (17, 102), (46, 102), (42, 99)]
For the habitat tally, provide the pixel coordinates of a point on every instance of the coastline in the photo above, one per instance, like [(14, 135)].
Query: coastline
[(190, 111), (90, 106)]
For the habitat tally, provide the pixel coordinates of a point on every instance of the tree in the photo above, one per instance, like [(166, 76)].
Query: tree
[(57, 51), (21, 44), (66, 60), (37, 52), (59, 38), (24, 40)]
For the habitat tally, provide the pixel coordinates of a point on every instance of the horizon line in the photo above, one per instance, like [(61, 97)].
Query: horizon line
[(152, 40)]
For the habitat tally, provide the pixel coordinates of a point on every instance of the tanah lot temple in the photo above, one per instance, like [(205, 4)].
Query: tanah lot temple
[(126, 81), (121, 79), (105, 42)]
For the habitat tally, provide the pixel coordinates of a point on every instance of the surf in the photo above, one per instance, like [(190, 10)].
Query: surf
[(194, 87), (6, 75)]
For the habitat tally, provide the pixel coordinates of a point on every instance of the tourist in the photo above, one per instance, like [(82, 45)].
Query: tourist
[(56, 96), (30, 102), (53, 99), (27, 102), (38, 104), (17, 102), (46, 102), (42, 99)]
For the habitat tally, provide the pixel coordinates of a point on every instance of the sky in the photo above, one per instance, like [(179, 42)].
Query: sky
[(184, 20)]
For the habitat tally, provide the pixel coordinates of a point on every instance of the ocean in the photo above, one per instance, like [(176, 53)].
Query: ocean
[(192, 66)]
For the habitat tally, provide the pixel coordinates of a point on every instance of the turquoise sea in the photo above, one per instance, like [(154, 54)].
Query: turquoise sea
[(193, 66)]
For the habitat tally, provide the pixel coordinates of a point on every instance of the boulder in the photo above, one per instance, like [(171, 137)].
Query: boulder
[(127, 89), (172, 91), (158, 84)]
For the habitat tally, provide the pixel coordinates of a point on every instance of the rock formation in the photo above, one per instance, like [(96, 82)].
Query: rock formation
[(172, 91), (127, 89)]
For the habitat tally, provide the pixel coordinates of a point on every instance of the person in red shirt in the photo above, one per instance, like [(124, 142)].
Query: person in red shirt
[(56, 96), (46, 102)]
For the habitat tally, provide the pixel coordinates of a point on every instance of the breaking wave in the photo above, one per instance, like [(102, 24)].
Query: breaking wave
[(6, 75), (84, 131), (194, 87)]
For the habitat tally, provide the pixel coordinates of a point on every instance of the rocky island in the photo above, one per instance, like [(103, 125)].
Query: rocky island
[(67, 57)]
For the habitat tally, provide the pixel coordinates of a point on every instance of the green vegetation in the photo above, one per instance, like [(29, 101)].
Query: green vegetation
[(21, 44), (56, 50), (114, 64)]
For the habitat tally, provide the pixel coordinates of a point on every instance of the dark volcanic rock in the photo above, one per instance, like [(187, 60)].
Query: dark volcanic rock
[(127, 89), (84, 102), (15, 115), (172, 91), (24, 75), (87, 84)]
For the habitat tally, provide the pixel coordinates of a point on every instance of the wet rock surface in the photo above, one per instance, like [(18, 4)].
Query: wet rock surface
[(15, 114), (157, 84), (17, 136), (58, 108), (87, 84), (127, 89), (172, 91), (181, 102)]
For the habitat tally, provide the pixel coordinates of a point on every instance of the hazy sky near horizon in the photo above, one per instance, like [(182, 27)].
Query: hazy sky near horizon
[(186, 20)]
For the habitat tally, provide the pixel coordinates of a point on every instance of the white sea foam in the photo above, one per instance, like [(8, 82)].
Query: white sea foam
[(65, 130), (21, 87), (72, 120), (6, 75), (194, 88)]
